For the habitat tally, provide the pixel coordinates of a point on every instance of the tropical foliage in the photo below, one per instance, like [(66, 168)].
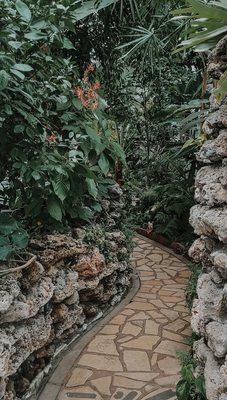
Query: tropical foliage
[(190, 387), (56, 147), (154, 100), (207, 24), (61, 139)]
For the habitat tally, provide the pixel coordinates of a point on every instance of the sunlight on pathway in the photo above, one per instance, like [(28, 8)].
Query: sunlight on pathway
[(134, 355)]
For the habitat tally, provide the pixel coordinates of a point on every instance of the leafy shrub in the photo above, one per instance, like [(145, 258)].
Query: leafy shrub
[(56, 150), (168, 199), (196, 270), (190, 387), (97, 235), (207, 23), (206, 26), (13, 238)]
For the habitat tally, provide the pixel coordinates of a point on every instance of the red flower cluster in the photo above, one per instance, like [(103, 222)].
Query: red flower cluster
[(87, 94), (52, 138)]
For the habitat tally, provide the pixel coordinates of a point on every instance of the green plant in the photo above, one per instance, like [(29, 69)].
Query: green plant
[(190, 387), (206, 26), (168, 200), (13, 239), (97, 235), (196, 270), (56, 150)]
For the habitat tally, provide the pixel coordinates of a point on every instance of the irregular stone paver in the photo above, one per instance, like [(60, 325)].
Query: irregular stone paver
[(134, 355)]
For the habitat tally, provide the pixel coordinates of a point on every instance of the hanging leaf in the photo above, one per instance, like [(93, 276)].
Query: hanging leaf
[(89, 8), (61, 188), (92, 188), (104, 164), (4, 79), (77, 103), (85, 213), (7, 224), (96, 207), (18, 74), (4, 241), (22, 67), (54, 208), (5, 252), (23, 10), (34, 35), (20, 239), (34, 207), (119, 152), (208, 23), (67, 44)]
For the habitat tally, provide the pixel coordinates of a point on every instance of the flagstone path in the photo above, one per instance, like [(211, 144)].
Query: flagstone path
[(134, 355)]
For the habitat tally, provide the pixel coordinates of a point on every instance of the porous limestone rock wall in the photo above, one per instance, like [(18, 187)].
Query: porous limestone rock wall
[(209, 219), (76, 277)]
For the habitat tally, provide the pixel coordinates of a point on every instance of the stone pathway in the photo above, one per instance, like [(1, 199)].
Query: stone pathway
[(134, 355)]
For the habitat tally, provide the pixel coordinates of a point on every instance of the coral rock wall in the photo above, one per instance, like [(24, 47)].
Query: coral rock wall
[(71, 284), (209, 220)]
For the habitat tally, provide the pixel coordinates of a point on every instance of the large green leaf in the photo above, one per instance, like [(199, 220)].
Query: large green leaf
[(92, 188), (89, 8), (85, 213), (4, 79), (34, 207), (182, 390), (77, 103), (208, 23), (34, 35), (22, 67), (92, 133), (20, 239), (4, 241), (54, 208), (5, 252), (23, 10), (119, 152), (61, 187), (67, 44), (104, 164), (7, 224)]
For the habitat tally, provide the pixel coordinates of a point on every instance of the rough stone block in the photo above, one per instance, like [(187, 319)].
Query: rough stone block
[(216, 334), (209, 221), (214, 150), (219, 259), (210, 305), (211, 185), (18, 342)]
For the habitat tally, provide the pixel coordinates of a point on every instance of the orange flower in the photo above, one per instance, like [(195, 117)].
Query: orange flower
[(96, 85), (87, 93), (94, 105), (79, 92), (85, 103), (52, 138), (91, 94)]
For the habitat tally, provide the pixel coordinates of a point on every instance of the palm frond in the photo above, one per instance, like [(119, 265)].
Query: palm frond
[(207, 24)]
